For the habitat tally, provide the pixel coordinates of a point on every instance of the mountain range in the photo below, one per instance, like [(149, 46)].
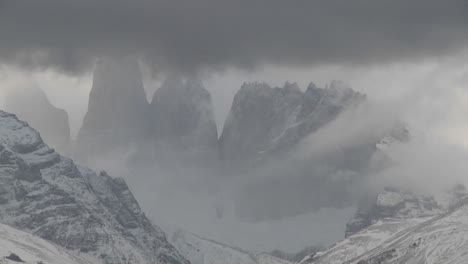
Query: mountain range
[(91, 214), (53, 210)]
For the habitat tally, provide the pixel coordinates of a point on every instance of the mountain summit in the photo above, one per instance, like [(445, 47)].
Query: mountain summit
[(265, 120), (118, 109), (183, 119), (48, 195), (32, 105)]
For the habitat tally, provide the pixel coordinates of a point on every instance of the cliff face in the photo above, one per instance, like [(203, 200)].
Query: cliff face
[(183, 119), (117, 116), (265, 120), (263, 135), (46, 194)]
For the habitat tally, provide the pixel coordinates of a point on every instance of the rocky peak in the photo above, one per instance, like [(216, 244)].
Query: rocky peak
[(183, 119), (32, 105), (269, 120), (118, 109), (258, 115), (94, 215)]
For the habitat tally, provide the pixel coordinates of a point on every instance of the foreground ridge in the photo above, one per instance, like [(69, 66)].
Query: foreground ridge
[(94, 215)]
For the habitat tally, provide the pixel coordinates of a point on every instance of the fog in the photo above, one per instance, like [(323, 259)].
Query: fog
[(413, 71), (429, 99)]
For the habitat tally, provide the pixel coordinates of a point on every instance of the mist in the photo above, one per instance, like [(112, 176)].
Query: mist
[(410, 132)]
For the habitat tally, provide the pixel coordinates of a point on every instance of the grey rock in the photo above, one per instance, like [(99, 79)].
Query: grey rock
[(117, 117), (265, 120), (183, 119), (265, 125), (95, 215)]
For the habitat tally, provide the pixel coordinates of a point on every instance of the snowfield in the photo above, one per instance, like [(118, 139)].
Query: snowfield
[(91, 214), (200, 250), (438, 239), (32, 249)]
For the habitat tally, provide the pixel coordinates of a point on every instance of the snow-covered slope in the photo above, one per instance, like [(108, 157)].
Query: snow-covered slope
[(363, 241), (96, 216), (32, 105), (414, 229), (442, 239), (393, 203), (32, 249), (204, 251)]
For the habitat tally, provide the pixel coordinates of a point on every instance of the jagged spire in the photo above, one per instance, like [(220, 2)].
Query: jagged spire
[(118, 108)]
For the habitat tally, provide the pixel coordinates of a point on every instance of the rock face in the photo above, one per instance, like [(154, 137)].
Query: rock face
[(183, 119), (265, 125), (46, 194), (179, 122), (32, 105), (117, 116), (267, 120)]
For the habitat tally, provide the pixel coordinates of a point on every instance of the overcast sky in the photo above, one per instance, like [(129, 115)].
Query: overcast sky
[(373, 45), (214, 34), (410, 56)]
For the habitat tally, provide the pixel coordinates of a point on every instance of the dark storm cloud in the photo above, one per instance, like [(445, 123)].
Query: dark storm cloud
[(214, 33)]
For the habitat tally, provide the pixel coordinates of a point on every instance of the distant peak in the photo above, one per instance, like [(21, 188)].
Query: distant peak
[(291, 86)]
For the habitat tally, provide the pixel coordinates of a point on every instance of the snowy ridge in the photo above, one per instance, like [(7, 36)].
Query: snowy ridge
[(52, 122), (32, 250), (434, 233), (367, 239), (94, 215), (442, 239), (397, 204), (205, 251)]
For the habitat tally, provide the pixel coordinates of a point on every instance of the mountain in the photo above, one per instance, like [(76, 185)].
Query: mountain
[(204, 251), (407, 229), (18, 246), (94, 215), (178, 124), (297, 256), (280, 138), (117, 117), (392, 203), (439, 239), (265, 120), (183, 119), (32, 105)]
